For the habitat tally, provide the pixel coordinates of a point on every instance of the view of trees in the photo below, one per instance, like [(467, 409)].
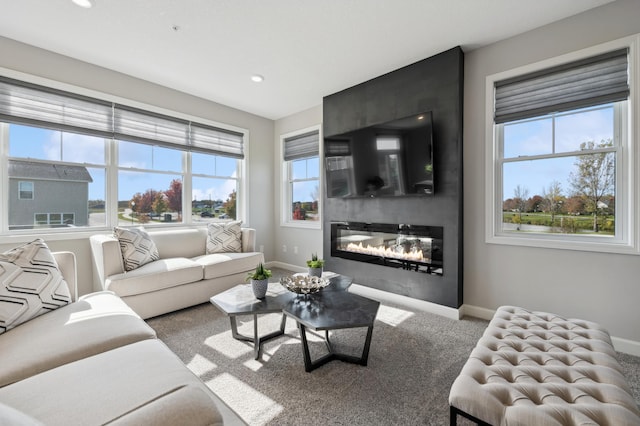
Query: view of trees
[(154, 203), (230, 205), (307, 210), (592, 194)]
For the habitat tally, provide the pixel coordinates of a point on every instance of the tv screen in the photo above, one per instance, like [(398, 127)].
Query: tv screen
[(393, 159)]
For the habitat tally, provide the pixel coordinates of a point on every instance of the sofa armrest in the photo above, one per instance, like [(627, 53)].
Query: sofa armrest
[(107, 257), (66, 261), (248, 240)]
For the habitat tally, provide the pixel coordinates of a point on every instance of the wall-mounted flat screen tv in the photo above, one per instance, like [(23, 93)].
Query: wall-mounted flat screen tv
[(393, 159)]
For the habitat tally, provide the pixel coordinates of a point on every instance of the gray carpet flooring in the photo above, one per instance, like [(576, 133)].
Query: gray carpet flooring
[(414, 358)]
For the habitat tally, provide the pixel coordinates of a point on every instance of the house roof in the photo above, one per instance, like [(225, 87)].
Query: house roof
[(48, 171)]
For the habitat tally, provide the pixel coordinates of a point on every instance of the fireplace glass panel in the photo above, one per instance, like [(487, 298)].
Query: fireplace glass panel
[(411, 247)]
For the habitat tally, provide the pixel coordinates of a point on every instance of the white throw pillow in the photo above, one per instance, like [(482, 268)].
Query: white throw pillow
[(224, 237), (30, 284), (136, 246)]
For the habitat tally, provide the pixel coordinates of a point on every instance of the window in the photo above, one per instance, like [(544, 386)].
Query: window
[(98, 164), (560, 166), (301, 177), (25, 190), (59, 219)]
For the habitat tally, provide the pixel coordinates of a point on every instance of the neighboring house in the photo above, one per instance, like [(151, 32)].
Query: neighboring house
[(47, 195)]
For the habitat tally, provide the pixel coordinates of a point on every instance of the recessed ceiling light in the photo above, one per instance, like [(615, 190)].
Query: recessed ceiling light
[(421, 117), (257, 78), (83, 3)]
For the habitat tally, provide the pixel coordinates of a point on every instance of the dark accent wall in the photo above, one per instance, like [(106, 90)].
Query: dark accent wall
[(433, 84)]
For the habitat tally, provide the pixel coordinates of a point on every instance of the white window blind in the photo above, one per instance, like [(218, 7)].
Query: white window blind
[(31, 104), (142, 126), (587, 82), (302, 146), (207, 139)]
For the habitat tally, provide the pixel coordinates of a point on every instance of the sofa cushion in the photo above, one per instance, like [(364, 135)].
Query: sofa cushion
[(95, 323), (136, 246), (224, 237), (30, 284), (154, 276), (223, 264), (13, 417), (110, 386), (181, 406), (180, 242)]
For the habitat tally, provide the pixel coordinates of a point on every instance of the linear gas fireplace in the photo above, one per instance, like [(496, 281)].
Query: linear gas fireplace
[(410, 247)]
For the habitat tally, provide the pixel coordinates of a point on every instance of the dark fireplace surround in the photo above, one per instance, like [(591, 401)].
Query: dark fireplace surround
[(434, 84)]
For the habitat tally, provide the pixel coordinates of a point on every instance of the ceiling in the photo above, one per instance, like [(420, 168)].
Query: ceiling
[(304, 49)]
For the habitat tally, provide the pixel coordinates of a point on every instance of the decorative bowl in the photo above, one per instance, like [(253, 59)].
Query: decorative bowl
[(304, 284)]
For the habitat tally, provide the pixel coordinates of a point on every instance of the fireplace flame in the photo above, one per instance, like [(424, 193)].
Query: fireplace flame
[(414, 254)]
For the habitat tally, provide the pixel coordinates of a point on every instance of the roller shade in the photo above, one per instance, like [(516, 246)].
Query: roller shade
[(30, 104), (302, 146), (587, 82), (207, 139), (136, 125)]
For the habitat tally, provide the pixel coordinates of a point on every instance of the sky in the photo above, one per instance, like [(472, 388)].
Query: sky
[(536, 137)]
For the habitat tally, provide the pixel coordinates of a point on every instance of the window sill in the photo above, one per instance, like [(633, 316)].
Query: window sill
[(302, 224), (560, 243)]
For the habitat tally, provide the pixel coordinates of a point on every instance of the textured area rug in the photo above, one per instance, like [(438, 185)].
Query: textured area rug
[(414, 359)]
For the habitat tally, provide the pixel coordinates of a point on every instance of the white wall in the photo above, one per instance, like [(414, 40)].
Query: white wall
[(307, 241), (600, 287), (37, 62)]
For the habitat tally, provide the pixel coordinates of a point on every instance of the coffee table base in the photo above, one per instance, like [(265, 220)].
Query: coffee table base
[(310, 365), (256, 340)]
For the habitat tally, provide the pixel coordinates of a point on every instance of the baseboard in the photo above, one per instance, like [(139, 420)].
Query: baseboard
[(409, 302), (283, 265), (626, 346), (477, 312)]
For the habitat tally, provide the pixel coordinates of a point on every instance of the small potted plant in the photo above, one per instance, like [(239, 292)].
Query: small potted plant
[(315, 266), (259, 280)]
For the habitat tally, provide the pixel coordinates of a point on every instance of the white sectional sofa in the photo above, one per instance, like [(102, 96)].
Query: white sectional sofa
[(183, 276), (94, 361)]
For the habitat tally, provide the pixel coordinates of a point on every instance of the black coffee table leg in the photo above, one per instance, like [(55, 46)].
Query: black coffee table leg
[(256, 340), (310, 365)]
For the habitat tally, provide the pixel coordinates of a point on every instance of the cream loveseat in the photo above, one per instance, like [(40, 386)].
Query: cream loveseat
[(93, 362), (183, 274)]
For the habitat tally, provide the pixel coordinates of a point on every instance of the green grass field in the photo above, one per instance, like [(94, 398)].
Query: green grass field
[(564, 223)]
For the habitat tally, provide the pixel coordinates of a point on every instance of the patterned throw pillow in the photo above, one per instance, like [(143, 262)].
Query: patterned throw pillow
[(224, 237), (136, 246), (30, 284)]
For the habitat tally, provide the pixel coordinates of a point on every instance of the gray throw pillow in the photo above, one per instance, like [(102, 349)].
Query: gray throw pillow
[(30, 284), (136, 246)]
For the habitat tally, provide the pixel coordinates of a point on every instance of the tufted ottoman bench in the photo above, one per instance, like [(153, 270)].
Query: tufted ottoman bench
[(536, 368)]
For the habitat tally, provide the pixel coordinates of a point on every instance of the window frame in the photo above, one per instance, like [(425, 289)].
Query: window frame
[(627, 240), (286, 191), (20, 191), (111, 167)]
